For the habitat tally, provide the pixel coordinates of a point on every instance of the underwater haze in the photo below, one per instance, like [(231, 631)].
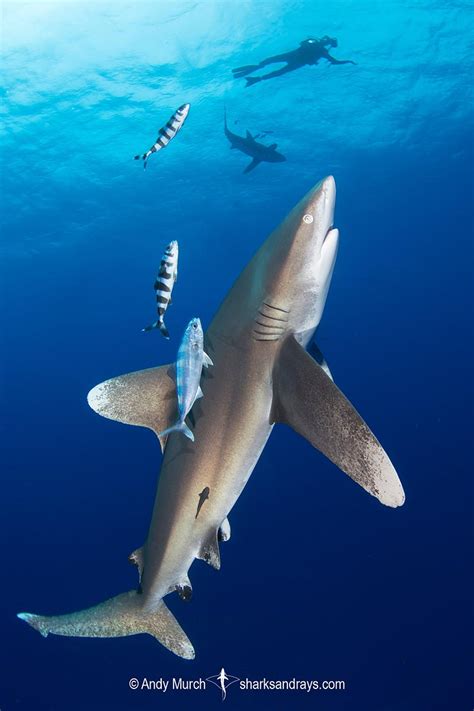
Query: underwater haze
[(319, 580)]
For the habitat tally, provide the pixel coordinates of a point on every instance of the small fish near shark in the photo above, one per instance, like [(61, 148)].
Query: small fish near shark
[(190, 362), (164, 284), (257, 151), (167, 133), (262, 376)]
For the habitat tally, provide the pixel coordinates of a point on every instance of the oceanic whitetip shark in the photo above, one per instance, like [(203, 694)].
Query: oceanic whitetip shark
[(257, 151), (262, 375)]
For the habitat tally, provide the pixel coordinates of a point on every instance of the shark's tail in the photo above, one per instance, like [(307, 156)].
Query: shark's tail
[(178, 427), (160, 326), (120, 616), (243, 71)]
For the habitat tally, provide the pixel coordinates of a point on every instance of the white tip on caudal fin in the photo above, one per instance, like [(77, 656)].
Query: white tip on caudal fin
[(178, 427), (120, 616)]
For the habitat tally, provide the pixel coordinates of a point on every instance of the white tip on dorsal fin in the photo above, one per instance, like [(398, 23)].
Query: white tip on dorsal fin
[(206, 360), (210, 551)]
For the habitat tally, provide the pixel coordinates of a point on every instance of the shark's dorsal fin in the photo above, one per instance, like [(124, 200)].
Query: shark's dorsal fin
[(146, 398), (249, 136), (210, 550), (307, 400), (273, 147)]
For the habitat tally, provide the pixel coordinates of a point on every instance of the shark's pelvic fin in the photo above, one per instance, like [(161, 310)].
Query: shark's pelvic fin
[(137, 558), (224, 530), (146, 398), (120, 616), (252, 165), (319, 358), (307, 400), (210, 550)]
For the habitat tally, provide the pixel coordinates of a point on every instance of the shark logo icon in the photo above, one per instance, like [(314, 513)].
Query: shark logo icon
[(223, 681)]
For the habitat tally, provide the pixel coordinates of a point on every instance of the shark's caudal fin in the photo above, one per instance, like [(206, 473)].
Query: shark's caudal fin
[(178, 427), (146, 398), (120, 616), (307, 400)]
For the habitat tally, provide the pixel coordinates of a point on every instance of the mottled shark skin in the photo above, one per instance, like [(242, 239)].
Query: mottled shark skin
[(262, 375)]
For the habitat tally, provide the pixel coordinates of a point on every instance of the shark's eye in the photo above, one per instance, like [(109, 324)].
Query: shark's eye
[(308, 219)]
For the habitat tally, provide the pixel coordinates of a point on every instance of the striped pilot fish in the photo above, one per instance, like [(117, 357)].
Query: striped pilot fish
[(167, 133), (164, 284), (189, 365)]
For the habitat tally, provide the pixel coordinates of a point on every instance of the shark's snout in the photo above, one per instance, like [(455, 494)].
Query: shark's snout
[(318, 208)]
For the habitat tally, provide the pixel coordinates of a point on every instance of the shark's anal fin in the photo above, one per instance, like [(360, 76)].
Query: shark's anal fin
[(146, 398), (210, 550), (252, 165), (120, 616), (307, 400)]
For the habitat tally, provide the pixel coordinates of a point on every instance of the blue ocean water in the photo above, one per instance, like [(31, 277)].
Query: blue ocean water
[(319, 581)]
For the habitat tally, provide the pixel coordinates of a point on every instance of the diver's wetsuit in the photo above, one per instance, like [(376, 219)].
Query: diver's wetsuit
[(310, 51)]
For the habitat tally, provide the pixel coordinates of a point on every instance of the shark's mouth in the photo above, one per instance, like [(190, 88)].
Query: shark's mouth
[(330, 229)]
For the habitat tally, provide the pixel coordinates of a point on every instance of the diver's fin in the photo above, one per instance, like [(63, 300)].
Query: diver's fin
[(120, 616), (177, 427), (315, 352), (206, 360), (136, 558), (252, 165), (224, 530), (210, 551), (242, 71), (251, 81), (307, 400), (249, 136), (146, 398)]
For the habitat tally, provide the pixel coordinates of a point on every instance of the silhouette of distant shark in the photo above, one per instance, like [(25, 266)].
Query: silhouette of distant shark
[(257, 151)]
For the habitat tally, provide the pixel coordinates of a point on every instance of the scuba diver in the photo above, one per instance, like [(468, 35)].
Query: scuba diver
[(310, 51)]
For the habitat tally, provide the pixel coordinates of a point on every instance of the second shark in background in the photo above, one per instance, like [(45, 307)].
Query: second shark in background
[(257, 151)]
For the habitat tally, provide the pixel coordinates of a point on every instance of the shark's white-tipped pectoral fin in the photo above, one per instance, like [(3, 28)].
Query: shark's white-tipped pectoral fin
[(307, 400), (206, 360), (146, 398)]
